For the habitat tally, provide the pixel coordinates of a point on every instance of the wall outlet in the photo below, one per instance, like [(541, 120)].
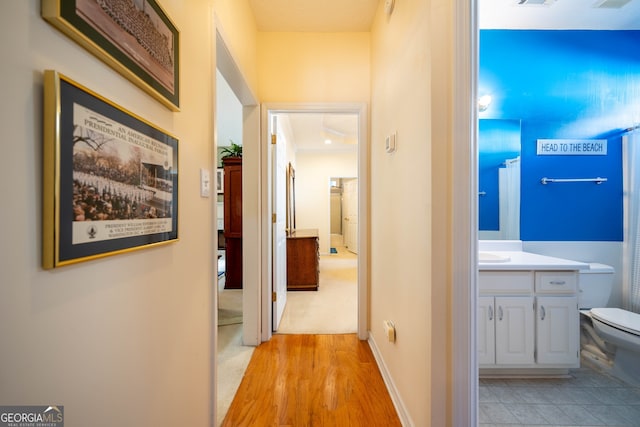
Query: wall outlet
[(390, 330)]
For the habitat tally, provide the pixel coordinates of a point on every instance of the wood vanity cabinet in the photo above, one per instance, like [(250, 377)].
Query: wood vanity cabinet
[(303, 260), (233, 221)]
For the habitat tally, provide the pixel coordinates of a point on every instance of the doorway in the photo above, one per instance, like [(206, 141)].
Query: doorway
[(311, 181), (233, 350), (343, 214)]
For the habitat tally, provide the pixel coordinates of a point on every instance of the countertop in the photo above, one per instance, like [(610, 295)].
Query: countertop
[(520, 260), (303, 233)]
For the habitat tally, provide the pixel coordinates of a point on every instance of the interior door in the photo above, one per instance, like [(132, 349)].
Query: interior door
[(278, 194), (350, 212)]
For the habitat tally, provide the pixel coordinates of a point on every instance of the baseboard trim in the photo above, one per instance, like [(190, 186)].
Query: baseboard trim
[(403, 414)]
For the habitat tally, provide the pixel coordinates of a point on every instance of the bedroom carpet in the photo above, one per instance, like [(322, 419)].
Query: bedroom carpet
[(333, 309)]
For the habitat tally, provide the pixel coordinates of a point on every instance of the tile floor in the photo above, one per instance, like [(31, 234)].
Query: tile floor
[(588, 398)]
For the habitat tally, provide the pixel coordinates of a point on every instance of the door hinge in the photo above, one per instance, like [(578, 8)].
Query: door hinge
[(274, 139), (273, 218), (274, 296)]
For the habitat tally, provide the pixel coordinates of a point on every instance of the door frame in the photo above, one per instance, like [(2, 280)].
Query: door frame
[(464, 196), (361, 110)]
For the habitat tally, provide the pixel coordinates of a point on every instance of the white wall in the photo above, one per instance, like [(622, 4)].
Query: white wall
[(313, 172), (411, 210), (228, 114), (124, 340)]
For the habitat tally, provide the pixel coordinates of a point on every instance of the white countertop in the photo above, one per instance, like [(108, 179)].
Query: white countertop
[(519, 260)]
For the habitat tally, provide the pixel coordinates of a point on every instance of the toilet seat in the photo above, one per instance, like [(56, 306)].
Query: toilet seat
[(623, 320)]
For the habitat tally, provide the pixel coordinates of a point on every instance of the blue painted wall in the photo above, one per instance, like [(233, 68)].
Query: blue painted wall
[(565, 85)]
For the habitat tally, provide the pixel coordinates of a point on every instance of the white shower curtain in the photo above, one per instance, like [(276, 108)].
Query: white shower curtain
[(631, 260), (509, 195)]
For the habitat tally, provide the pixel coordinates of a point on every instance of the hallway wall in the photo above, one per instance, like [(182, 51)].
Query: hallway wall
[(124, 340), (410, 213), (313, 171)]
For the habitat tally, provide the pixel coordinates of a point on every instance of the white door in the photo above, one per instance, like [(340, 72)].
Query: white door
[(279, 206), (486, 335), (558, 330), (350, 212), (514, 330)]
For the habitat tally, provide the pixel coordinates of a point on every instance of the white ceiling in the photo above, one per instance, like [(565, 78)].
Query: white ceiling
[(559, 14), (357, 15), (309, 131)]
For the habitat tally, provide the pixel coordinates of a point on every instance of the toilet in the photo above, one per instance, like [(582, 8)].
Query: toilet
[(610, 337)]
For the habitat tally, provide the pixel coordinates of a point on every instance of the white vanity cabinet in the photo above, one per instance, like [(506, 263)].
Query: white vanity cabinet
[(527, 320)]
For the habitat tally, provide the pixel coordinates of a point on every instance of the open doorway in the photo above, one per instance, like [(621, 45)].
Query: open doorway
[(343, 213), (238, 315), (318, 146)]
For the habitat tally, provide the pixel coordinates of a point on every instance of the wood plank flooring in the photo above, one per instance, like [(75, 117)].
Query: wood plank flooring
[(312, 380)]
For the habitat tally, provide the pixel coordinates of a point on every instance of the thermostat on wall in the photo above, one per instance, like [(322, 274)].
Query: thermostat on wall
[(390, 143)]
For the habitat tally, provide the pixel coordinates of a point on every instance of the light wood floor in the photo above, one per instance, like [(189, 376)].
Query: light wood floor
[(312, 380)]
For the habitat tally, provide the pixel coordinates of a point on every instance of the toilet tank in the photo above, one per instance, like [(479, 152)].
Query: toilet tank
[(595, 285)]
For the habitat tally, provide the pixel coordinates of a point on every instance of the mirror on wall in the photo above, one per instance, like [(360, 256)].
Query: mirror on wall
[(499, 179)]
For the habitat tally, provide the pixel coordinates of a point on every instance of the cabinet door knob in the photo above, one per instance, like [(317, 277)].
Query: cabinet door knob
[(500, 313), (490, 313), (543, 313)]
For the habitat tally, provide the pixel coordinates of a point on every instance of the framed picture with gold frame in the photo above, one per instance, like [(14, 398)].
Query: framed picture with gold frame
[(135, 37), (110, 178)]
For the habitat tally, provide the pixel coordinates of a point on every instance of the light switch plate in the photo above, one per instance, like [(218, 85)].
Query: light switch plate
[(205, 183), (390, 143)]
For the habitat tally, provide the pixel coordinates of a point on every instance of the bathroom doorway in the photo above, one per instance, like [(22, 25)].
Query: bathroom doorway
[(343, 208)]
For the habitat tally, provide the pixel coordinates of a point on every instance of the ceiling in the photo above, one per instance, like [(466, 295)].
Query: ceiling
[(358, 15), (310, 131), (314, 15), (559, 14)]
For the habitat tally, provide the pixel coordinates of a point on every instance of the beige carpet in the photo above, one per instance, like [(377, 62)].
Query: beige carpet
[(233, 359), (333, 309), (229, 306)]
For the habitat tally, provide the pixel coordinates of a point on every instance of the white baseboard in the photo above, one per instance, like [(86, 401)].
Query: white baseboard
[(405, 419)]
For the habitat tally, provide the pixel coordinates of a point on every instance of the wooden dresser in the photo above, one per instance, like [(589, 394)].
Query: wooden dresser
[(233, 221), (303, 260)]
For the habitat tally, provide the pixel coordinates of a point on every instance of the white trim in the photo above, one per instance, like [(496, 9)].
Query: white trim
[(250, 189), (465, 234), (363, 206), (401, 409)]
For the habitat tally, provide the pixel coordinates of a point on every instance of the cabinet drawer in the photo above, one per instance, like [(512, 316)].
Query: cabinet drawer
[(558, 282), (506, 282)]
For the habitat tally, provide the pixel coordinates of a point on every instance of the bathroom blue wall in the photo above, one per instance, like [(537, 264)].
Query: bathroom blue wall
[(565, 85)]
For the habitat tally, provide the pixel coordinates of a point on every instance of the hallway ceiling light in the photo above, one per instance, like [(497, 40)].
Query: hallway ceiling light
[(327, 141)]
